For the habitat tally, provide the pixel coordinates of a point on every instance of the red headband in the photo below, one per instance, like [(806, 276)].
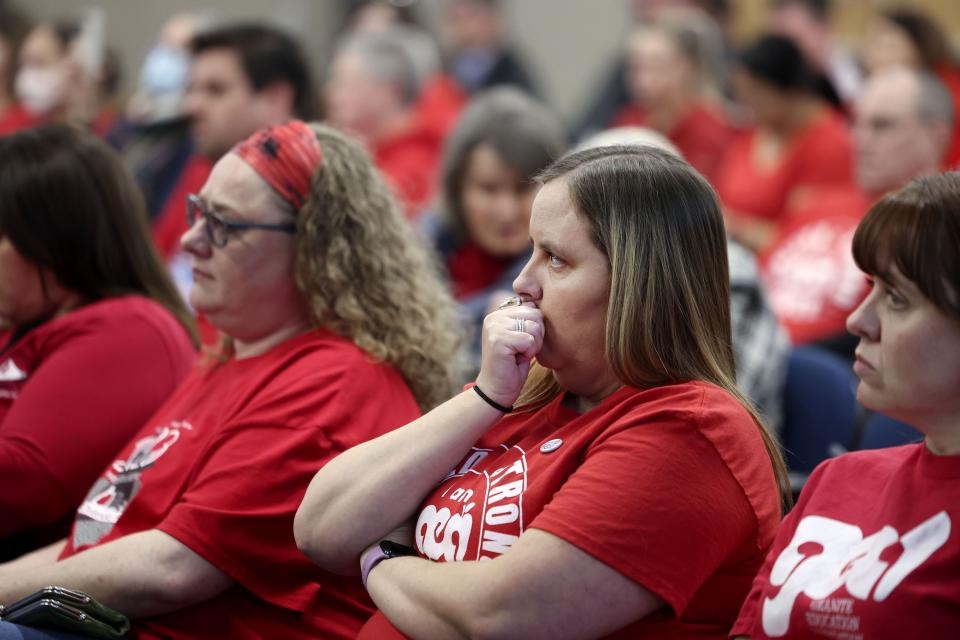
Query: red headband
[(286, 157)]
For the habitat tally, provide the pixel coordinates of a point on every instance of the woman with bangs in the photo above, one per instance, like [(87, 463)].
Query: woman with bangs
[(872, 548), (630, 492)]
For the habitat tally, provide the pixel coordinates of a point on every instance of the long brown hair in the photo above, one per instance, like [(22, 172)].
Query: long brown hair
[(69, 205), (668, 319)]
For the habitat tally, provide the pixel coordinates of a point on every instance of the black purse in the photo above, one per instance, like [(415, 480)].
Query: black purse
[(67, 610)]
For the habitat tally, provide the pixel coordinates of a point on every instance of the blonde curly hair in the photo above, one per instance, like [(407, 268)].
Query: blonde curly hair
[(366, 275)]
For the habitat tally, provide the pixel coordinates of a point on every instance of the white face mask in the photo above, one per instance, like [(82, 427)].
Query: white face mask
[(40, 89)]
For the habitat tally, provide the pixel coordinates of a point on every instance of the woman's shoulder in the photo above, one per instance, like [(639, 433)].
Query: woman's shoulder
[(322, 356), (689, 400), (123, 321), (871, 462)]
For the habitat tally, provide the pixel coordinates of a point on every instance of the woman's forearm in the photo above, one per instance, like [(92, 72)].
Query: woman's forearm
[(364, 493), (143, 574)]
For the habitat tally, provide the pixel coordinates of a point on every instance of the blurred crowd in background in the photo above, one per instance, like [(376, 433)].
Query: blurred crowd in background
[(798, 134)]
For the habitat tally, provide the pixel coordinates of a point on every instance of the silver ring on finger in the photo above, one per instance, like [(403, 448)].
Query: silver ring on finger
[(518, 324)]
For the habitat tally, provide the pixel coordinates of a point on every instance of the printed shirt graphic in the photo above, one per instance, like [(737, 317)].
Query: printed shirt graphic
[(809, 273), (110, 495), (222, 468), (601, 482), (871, 551), (476, 496)]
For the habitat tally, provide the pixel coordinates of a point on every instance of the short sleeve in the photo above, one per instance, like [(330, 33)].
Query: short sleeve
[(238, 512), (656, 502)]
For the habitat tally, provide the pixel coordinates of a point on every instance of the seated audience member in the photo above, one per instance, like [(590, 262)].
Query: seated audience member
[(612, 93), (371, 94), (44, 71), (481, 230), (902, 125), (760, 345), (98, 335), (905, 36), (667, 80), (337, 331), (871, 548), (55, 83), (628, 433), (13, 26), (799, 141)]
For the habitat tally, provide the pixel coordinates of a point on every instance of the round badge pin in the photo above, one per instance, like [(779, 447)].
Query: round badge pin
[(551, 445)]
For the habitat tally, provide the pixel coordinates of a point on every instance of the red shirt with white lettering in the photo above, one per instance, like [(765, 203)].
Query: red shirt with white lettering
[(670, 486), (223, 466), (871, 550), (808, 272)]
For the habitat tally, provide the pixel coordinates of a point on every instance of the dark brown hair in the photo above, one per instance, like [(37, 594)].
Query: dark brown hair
[(267, 55), (526, 136), (917, 229), (69, 205), (659, 223)]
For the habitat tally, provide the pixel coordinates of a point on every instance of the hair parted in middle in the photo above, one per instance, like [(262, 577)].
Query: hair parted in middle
[(366, 275), (659, 224), (524, 133)]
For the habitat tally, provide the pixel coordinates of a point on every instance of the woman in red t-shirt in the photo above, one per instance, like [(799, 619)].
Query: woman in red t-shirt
[(631, 492), (480, 229), (667, 81), (872, 548), (99, 334), (800, 140)]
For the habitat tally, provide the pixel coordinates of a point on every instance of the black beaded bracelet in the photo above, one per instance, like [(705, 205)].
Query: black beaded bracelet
[(493, 403)]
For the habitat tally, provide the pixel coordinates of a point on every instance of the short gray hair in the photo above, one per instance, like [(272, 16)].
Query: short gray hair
[(387, 57), (934, 102)]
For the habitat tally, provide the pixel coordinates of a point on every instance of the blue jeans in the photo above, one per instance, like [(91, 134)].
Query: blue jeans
[(10, 631)]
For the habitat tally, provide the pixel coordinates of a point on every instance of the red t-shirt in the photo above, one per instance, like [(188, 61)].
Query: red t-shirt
[(223, 466), (679, 472), (871, 550), (72, 392), (810, 276), (821, 154), (702, 134), (408, 162)]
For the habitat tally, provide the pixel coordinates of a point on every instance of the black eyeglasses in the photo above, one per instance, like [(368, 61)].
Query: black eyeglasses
[(218, 228)]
